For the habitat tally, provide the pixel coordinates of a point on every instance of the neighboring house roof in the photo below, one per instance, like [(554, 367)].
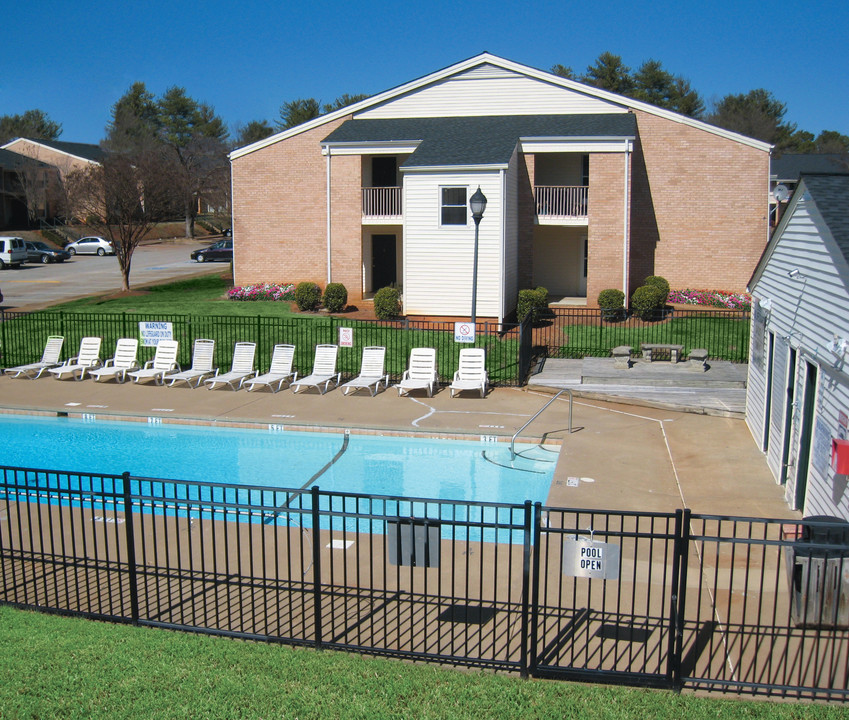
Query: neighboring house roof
[(14, 161), (788, 167), (830, 195), (485, 59), (487, 140), (83, 151)]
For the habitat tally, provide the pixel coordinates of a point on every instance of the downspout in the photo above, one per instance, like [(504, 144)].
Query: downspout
[(232, 223), (626, 238), (329, 274), (503, 303)]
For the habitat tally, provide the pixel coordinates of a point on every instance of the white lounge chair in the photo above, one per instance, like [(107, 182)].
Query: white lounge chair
[(421, 375), (49, 359), (372, 372), (241, 368), (124, 360), (87, 359), (164, 361), (471, 374), (202, 359), (323, 370), (279, 372)]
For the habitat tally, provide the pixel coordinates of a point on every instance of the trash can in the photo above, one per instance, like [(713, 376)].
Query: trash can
[(819, 573)]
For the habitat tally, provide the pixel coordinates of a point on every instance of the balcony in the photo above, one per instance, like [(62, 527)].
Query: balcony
[(561, 204), (381, 204)]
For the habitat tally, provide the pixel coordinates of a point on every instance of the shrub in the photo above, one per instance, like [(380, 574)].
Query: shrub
[(265, 291), (387, 303), (335, 297), (307, 296), (658, 282), (646, 300), (611, 299), (612, 304), (532, 302)]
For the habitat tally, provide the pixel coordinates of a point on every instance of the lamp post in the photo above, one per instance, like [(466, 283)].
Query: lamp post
[(477, 203)]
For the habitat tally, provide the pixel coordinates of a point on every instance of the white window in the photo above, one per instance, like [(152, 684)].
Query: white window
[(453, 205)]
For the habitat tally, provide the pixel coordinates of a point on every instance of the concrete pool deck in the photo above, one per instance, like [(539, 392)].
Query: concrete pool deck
[(618, 457)]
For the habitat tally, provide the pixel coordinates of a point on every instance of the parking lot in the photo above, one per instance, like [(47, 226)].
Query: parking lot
[(34, 286)]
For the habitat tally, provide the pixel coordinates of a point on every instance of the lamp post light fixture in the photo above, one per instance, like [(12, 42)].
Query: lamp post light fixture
[(477, 203)]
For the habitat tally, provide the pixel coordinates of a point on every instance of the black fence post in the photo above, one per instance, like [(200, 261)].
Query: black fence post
[(680, 553), (316, 567), (534, 609), (131, 548), (526, 587)]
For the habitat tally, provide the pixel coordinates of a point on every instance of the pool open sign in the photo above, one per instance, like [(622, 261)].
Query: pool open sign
[(583, 557), (464, 332)]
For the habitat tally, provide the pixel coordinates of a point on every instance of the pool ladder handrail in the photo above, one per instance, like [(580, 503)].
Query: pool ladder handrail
[(540, 412)]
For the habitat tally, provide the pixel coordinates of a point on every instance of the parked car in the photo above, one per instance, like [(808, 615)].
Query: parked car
[(221, 250), (41, 252), (90, 246), (13, 252)]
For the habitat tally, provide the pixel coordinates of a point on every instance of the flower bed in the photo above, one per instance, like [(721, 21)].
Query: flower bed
[(266, 291), (711, 298)]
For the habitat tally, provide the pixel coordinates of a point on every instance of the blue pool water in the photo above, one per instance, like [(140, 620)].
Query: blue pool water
[(394, 466)]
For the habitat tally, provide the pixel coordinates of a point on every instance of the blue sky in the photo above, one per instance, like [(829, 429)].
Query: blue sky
[(75, 59)]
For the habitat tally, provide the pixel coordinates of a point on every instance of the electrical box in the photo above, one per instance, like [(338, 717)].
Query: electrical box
[(840, 456), (413, 542)]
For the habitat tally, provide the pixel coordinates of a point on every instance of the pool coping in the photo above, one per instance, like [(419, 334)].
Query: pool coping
[(91, 415)]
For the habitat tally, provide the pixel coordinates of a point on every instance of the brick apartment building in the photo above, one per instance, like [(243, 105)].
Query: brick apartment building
[(586, 190)]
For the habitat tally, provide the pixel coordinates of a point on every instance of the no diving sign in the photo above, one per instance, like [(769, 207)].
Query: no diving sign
[(464, 332), (591, 559)]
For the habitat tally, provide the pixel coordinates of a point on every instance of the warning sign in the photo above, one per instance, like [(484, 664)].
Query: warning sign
[(464, 332), (583, 557), (346, 337)]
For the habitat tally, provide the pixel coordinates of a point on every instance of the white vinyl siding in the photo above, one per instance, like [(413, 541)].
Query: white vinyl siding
[(805, 313), (438, 260), (500, 91)]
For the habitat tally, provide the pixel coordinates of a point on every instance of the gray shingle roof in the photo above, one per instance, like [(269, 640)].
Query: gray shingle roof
[(83, 150), (14, 161), (789, 166), (488, 140), (830, 193)]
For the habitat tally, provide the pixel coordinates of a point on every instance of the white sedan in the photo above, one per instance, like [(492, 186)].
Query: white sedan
[(90, 246)]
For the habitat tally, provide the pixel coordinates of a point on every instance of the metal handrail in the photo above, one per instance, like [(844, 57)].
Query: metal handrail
[(539, 412)]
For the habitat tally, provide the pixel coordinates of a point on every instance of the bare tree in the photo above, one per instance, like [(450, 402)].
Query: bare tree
[(123, 198)]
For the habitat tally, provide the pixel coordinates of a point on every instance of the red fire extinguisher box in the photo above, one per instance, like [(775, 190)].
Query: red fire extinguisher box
[(840, 456)]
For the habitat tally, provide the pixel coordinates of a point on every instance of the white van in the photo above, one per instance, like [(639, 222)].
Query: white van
[(13, 251)]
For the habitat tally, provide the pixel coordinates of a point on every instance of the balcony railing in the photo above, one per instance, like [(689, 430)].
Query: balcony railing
[(382, 202), (561, 201)]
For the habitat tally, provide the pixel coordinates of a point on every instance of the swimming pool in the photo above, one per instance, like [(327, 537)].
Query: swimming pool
[(393, 466)]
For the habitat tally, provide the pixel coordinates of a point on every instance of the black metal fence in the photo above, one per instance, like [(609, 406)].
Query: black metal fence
[(579, 332), (661, 599), (22, 338)]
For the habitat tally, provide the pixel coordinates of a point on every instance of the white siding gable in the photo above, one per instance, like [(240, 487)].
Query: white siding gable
[(490, 90)]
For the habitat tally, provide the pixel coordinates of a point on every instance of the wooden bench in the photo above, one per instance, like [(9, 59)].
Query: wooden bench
[(698, 360), (650, 348), (621, 357)]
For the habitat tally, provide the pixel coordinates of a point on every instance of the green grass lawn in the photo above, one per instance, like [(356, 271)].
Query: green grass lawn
[(205, 295), (58, 667)]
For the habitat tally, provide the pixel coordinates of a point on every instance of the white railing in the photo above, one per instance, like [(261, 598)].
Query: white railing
[(382, 202), (562, 201)]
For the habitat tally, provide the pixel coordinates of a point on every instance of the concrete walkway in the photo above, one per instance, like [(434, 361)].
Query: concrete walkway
[(618, 456)]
